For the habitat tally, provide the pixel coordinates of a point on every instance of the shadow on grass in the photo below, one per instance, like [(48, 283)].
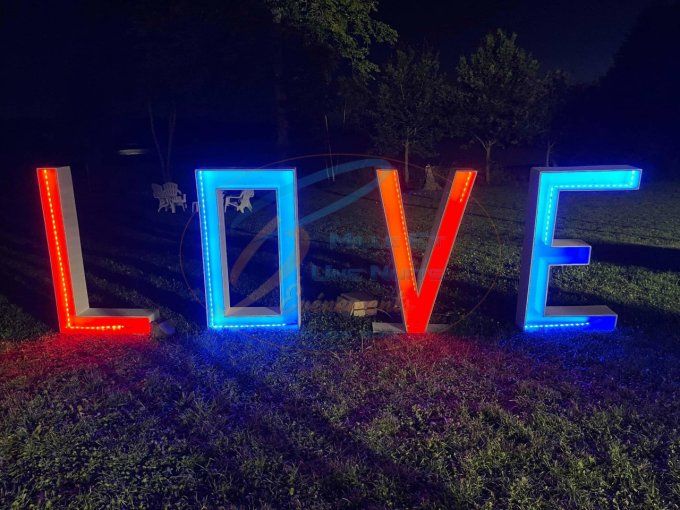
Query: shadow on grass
[(656, 258), (184, 306), (307, 421)]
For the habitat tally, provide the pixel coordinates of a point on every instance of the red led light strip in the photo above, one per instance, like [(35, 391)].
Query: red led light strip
[(418, 297), (72, 319)]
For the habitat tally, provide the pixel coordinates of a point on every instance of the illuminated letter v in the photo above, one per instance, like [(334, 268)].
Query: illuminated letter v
[(417, 298)]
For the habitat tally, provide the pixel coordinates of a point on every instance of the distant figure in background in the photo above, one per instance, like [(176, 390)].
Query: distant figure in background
[(431, 183)]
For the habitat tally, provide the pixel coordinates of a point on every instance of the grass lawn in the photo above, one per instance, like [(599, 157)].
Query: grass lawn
[(333, 417)]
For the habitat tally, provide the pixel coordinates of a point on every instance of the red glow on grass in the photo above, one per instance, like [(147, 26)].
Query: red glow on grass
[(66, 353)]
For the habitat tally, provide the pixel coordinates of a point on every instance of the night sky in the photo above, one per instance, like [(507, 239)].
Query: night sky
[(579, 36)]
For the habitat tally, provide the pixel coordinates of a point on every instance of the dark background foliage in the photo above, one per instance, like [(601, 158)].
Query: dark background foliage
[(251, 82)]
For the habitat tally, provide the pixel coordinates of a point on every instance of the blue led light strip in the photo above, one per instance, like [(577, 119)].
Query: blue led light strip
[(558, 325), (206, 250), (220, 312), (241, 326), (541, 251)]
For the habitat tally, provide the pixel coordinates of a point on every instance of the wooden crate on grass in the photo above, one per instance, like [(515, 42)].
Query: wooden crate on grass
[(357, 304)]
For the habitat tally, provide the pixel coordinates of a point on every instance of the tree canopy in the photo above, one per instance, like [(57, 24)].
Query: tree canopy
[(498, 95), (346, 27), (410, 106)]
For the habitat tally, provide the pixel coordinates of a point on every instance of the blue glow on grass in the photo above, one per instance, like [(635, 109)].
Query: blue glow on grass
[(546, 251), (220, 314)]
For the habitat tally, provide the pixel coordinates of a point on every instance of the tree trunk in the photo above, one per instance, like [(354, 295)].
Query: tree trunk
[(89, 177), (152, 123), (406, 154), (171, 132), (487, 167), (548, 153), (281, 118), (280, 95), (330, 150)]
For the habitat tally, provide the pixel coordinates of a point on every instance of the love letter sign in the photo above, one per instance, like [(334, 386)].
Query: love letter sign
[(541, 250)]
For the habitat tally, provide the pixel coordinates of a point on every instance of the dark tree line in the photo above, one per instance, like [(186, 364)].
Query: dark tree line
[(632, 113), (259, 68), (498, 97), (178, 71)]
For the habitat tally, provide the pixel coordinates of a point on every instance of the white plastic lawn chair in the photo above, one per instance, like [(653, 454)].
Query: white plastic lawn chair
[(169, 195), (241, 202), (163, 202), (177, 198)]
